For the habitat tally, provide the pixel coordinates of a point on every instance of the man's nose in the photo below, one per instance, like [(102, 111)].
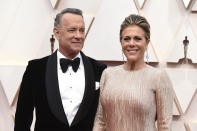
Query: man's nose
[(78, 34)]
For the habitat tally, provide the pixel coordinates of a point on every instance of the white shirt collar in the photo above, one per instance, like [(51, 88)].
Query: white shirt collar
[(60, 55)]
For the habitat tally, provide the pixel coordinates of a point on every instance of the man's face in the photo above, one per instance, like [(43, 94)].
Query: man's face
[(70, 34)]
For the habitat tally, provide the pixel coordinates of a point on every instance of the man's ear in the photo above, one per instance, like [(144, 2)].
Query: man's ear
[(56, 33)]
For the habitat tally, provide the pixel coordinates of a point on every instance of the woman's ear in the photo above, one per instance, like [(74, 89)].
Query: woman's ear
[(148, 41)]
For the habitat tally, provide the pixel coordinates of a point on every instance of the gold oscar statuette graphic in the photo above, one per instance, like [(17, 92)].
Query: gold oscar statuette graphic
[(185, 60), (52, 40)]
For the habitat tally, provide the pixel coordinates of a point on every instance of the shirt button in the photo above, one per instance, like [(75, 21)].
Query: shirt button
[(70, 101), (71, 87)]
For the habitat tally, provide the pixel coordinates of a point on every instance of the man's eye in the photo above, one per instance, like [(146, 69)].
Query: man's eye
[(126, 38), (71, 30), (82, 30)]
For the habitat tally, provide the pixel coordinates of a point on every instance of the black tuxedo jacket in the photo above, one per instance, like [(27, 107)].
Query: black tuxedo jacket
[(40, 91)]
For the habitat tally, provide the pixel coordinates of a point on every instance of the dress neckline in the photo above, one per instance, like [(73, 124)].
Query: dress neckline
[(135, 71)]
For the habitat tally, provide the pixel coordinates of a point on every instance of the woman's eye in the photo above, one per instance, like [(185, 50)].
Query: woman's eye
[(137, 38), (127, 39)]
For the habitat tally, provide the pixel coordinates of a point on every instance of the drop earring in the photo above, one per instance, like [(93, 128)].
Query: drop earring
[(147, 56), (123, 57)]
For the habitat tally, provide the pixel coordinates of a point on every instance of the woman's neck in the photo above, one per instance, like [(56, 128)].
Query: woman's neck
[(133, 66)]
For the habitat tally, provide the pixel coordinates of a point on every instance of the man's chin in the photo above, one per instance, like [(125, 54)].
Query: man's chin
[(76, 51)]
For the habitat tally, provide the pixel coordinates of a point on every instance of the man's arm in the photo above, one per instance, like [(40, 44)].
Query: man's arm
[(98, 69), (25, 106)]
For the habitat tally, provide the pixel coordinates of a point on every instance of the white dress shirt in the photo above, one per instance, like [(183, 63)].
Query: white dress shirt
[(71, 86)]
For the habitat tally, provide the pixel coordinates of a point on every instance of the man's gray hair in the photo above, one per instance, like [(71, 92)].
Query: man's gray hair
[(67, 10)]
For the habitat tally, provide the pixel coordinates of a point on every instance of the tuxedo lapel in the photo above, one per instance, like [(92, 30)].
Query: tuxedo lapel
[(89, 90), (52, 89)]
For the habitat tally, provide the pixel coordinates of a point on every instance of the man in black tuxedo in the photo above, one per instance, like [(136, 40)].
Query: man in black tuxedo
[(61, 87)]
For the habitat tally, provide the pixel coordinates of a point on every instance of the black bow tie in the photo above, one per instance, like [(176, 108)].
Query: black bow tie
[(64, 63)]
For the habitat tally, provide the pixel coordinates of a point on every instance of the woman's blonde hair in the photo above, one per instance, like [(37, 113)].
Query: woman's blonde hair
[(137, 20)]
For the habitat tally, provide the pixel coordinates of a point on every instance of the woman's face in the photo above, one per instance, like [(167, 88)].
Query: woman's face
[(134, 43)]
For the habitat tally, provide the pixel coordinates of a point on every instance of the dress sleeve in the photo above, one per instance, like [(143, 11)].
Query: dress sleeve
[(99, 123), (164, 102), (24, 110)]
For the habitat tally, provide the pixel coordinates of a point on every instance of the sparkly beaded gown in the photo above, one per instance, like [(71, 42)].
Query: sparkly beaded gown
[(134, 100)]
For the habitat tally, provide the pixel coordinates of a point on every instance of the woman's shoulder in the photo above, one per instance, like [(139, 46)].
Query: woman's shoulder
[(155, 70), (156, 73), (159, 74)]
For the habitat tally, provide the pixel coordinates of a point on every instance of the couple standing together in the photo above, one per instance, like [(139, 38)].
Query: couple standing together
[(61, 88)]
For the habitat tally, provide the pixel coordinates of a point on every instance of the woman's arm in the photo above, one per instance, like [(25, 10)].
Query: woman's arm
[(99, 123), (164, 102)]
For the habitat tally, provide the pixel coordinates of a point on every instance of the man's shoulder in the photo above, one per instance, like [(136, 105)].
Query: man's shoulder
[(38, 62), (96, 63)]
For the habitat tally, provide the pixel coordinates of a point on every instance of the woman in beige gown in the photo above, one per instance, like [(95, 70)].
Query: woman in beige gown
[(134, 95)]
